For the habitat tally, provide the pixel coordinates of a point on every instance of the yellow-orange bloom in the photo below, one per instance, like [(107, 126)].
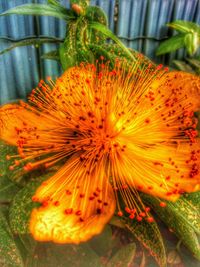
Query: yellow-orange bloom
[(114, 132)]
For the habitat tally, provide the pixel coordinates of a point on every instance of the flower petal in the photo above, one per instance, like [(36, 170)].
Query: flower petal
[(76, 205), (163, 170), (188, 83)]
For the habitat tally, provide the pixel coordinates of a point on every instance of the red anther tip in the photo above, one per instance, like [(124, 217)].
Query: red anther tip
[(132, 216), (163, 204), (127, 210), (147, 209), (120, 214), (78, 213), (139, 219), (45, 203), (56, 203), (150, 219), (34, 199), (68, 211)]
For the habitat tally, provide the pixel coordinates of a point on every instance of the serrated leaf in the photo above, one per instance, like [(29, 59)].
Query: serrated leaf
[(53, 55), (40, 9), (174, 219), (124, 257), (52, 255), (9, 253), (22, 205), (149, 235), (184, 26), (172, 44), (192, 42), (31, 41), (182, 65)]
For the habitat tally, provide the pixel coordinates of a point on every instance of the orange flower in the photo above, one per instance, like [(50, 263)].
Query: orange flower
[(114, 133)]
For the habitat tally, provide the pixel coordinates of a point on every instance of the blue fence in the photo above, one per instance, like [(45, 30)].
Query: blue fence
[(140, 24)]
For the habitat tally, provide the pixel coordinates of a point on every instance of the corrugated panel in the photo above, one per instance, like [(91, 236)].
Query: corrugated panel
[(141, 25), (158, 14), (23, 65), (19, 68)]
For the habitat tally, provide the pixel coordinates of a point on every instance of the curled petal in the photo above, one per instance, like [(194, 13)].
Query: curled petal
[(75, 206)]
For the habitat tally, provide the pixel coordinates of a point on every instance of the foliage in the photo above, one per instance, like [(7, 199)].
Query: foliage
[(188, 36)]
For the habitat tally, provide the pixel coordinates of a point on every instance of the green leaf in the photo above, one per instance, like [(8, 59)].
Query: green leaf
[(172, 44), (182, 65), (177, 218), (22, 205), (53, 255), (184, 26), (31, 41), (192, 42), (41, 10), (108, 33), (124, 257), (53, 55), (149, 235), (9, 253)]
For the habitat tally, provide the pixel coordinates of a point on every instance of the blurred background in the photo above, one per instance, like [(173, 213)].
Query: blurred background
[(140, 24)]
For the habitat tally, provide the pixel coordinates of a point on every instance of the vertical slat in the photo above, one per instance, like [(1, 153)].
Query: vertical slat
[(123, 20), (137, 19)]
